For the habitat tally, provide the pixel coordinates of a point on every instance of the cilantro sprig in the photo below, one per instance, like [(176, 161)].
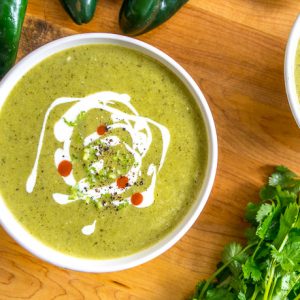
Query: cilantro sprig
[(268, 267)]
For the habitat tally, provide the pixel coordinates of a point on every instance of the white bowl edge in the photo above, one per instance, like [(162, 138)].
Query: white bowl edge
[(23, 237), (289, 70)]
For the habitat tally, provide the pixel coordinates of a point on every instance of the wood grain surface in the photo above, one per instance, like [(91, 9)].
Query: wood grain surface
[(234, 50)]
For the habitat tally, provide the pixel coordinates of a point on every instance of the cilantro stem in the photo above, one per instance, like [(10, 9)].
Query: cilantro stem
[(274, 284), (273, 266), (213, 276), (256, 290), (256, 249), (272, 272), (284, 242), (270, 280)]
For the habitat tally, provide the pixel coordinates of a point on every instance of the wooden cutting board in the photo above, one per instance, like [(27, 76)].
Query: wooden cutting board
[(234, 49)]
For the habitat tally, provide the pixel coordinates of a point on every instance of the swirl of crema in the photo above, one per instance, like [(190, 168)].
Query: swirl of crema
[(137, 126)]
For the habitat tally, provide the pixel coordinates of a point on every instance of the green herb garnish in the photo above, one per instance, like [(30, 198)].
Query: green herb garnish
[(74, 158), (69, 123), (75, 192), (269, 266), (78, 119), (122, 205)]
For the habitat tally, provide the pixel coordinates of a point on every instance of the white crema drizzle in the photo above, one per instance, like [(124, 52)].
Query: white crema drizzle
[(136, 125), (89, 229)]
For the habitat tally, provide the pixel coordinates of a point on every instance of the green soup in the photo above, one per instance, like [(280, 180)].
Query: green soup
[(297, 70), (122, 156)]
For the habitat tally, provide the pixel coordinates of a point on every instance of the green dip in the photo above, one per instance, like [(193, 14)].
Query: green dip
[(155, 93)]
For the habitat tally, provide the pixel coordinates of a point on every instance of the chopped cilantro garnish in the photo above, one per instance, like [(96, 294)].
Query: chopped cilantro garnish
[(78, 119), (117, 162), (69, 123), (80, 116), (74, 157), (112, 175), (103, 163), (123, 205), (75, 192)]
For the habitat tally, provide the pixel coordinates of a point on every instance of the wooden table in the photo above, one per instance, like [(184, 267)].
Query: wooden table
[(234, 49)]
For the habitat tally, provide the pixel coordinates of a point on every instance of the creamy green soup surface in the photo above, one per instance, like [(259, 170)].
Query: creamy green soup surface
[(297, 70), (102, 151)]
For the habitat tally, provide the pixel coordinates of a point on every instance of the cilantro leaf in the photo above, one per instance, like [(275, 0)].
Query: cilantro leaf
[(289, 257), (231, 254), (264, 226), (294, 235), (297, 223), (251, 270), (241, 296), (251, 211), (267, 193), (264, 210), (286, 222), (284, 285), (283, 177), (286, 171), (276, 179), (286, 197), (219, 294)]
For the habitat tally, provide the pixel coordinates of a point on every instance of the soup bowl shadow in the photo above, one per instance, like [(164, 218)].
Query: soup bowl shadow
[(33, 245)]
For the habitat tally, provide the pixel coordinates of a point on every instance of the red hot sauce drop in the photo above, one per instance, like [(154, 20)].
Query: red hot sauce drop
[(101, 129), (122, 182), (137, 199), (64, 168)]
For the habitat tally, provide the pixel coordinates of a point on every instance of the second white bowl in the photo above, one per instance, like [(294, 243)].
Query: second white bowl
[(289, 70)]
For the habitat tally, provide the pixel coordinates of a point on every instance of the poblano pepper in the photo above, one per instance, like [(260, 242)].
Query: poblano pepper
[(140, 16), (12, 14), (81, 11)]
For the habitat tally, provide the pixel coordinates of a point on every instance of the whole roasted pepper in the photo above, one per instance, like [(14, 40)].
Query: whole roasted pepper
[(81, 11), (12, 14), (140, 16)]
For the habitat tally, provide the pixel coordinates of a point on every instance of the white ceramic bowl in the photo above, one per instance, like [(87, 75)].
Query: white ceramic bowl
[(33, 245), (289, 70)]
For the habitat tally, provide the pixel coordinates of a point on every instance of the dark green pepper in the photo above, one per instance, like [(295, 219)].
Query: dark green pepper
[(140, 16), (12, 14), (81, 11)]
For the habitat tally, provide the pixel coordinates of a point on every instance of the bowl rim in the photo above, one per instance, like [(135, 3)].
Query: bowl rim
[(42, 251), (289, 70)]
